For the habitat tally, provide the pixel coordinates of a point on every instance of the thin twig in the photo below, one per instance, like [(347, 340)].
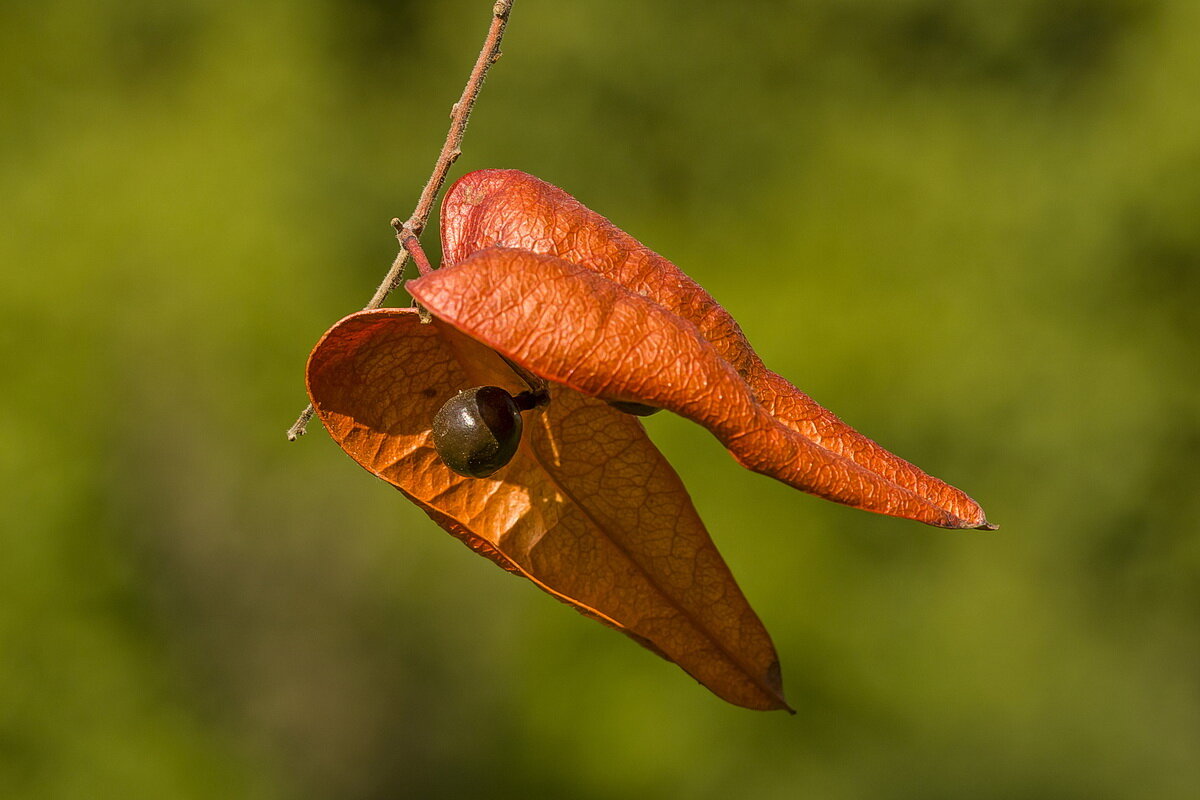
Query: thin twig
[(412, 246), (451, 150)]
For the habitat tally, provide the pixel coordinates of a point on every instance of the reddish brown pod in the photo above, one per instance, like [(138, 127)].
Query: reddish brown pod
[(540, 296), (813, 449)]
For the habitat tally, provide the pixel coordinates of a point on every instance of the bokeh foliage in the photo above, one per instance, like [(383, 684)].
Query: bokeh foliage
[(967, 226)]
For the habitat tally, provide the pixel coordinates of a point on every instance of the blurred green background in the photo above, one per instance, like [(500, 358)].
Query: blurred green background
[(969, 227)]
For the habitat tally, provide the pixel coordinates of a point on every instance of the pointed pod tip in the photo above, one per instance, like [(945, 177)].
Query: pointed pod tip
[(774, 679), (955, 523), (965, 525)]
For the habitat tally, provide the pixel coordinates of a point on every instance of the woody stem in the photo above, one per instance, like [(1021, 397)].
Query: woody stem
[(412, 246), (451, 149)]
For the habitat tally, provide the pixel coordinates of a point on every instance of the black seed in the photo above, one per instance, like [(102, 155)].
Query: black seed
[(477, 431), (637, 409)]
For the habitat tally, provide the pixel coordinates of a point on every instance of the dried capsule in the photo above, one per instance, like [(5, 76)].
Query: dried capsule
[(477, 431)]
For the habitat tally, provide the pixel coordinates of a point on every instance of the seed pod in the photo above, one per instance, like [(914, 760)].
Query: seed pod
[(477, 431)]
